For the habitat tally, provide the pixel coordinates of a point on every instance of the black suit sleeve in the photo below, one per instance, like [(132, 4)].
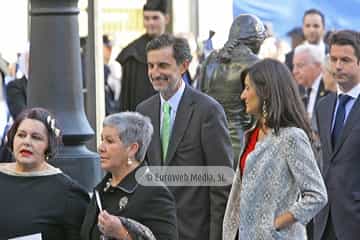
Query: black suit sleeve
[(16, 96), (216, 144)]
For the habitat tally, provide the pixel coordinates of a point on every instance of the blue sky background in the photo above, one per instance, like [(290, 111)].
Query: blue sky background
[(286, 14)]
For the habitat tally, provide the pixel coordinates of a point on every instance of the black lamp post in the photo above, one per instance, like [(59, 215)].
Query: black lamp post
[(55, 83)]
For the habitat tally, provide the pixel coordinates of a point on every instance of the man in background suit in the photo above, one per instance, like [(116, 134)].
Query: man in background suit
[(338, 117), (313, 27), (198, 137), (135, 85), (297, 37), (307, 72), (16, 96)]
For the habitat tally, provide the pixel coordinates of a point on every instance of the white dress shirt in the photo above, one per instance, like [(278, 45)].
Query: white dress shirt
[(174, 102), (313, 95), (354, 93)]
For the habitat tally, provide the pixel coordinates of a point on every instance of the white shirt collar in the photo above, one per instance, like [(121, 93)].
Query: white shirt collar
[(174, 101), (354, 92), (316, 84), (313, 95)]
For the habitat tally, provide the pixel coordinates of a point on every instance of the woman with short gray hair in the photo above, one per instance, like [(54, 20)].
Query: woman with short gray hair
[(132, 127), (121, 207)]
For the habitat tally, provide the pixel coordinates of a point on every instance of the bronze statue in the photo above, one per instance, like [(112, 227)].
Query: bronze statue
[(220, 73)]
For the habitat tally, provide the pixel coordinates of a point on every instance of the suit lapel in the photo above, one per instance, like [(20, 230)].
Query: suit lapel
[(351, 121), (156, 152), (183, 116), (327, 120), (321, 91)]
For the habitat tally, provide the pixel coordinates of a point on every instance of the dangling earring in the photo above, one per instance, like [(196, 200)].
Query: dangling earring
[(264, 112), (129, 161), (47, 157)]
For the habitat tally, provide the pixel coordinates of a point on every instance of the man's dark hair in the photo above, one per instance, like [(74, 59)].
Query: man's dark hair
[(180, 46), (346, 37), (296, 32), (327, 36), (315, 11), (157, 5), (106, 41)]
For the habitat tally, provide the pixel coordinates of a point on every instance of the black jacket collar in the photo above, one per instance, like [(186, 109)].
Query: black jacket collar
[(128, 184)]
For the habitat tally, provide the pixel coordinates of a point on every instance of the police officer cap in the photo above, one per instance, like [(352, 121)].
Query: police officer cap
[(156, 5)]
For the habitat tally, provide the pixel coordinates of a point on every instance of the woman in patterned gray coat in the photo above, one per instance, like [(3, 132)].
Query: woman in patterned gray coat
[(277, 187)]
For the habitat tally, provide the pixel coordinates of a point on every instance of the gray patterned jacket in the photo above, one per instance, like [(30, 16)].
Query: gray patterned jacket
[(281, 175)]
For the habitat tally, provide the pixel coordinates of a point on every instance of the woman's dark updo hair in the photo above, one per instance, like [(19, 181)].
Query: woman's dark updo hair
[(44, 116)]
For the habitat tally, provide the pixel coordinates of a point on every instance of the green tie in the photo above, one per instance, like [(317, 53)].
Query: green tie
[(165, 130)]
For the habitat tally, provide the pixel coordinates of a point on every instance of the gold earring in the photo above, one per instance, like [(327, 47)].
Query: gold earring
[(264, 111)]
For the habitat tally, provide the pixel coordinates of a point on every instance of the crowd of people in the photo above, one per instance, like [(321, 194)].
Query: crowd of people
[(287, 131)]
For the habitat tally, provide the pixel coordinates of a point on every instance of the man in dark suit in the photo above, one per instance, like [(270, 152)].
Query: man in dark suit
[(193, 132), (307, 72), (338, 117)]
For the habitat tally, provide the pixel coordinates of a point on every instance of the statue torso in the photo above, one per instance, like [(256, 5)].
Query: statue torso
[(222, 80)]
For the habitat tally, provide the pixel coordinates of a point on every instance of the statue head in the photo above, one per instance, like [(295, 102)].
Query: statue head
[(249, 30)]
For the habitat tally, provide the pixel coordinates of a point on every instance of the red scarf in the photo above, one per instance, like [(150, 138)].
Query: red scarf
[(249, 148)]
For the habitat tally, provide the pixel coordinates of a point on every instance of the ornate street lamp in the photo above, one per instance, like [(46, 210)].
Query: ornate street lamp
[(55, 83)]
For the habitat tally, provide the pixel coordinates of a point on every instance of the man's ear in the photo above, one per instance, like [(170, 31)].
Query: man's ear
[(167, 19), (184, 66), (318, 65)]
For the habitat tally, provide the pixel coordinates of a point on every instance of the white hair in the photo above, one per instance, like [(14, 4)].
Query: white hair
[(314, 52)]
